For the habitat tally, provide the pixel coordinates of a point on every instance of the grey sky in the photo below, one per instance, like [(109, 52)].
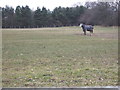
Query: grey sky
[(49, 4)]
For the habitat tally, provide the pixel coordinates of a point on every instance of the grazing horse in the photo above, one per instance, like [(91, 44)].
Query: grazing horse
[(87, 28)]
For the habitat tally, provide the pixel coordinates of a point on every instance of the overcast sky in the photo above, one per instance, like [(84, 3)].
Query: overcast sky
[(49, 4)]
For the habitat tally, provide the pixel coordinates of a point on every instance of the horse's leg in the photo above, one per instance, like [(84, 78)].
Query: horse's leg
[(84, 32), (91, 32)]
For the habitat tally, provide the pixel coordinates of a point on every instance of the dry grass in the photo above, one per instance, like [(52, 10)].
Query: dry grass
[(60, 57)]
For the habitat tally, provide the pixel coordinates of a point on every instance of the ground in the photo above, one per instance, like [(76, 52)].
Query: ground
[(60, 57)]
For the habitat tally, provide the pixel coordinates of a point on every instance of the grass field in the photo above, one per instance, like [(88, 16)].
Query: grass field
[(59, 57)]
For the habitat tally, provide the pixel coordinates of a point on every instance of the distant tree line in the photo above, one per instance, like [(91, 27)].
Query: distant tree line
[(96, 13), (102, 13)]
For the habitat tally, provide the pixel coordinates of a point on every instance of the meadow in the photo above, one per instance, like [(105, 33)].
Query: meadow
[(59, 57)]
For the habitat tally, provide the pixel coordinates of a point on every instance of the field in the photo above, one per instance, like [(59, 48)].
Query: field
[(59, 57)]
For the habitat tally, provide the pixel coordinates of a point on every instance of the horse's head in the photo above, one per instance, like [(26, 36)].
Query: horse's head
[(81, 25)]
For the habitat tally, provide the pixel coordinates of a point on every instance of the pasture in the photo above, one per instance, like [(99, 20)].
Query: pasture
[(59, 57)]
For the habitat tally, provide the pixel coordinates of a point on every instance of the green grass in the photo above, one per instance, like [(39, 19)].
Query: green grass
[(60, 57)]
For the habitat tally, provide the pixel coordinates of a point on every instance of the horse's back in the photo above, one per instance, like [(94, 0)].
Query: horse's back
[(89, 27)]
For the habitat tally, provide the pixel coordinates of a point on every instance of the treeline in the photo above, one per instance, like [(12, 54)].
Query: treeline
[(102, 13), (96, 13), (25, 17)]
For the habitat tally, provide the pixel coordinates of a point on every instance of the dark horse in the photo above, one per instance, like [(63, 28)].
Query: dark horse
[(87, 28)]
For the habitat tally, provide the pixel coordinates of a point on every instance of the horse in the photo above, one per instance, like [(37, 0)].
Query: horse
[(87, 28)]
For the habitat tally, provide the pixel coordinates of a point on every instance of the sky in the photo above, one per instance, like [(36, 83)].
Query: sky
[(49, 4)]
